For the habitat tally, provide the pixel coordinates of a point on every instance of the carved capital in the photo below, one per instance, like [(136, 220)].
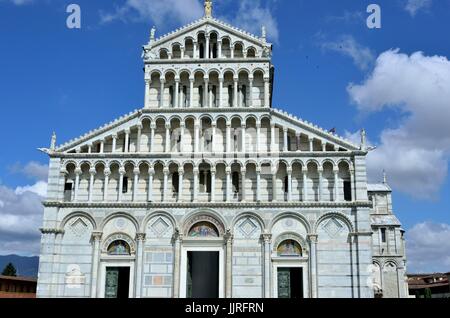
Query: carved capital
[(266, 237), (96, 236), (312, 238), (140, 237)]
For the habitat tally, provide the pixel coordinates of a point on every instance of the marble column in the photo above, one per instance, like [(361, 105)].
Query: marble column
[(195, 53), (127, 140), (243, 173), (106, 185), (135, 184), (352, 183), (152, 136), (213, 143), (219, 49), (191, 92), (121, 175), (274, 186), (266, 92), (336, 185), (243, 138), (165, 184), (228, 137), (90, 148), (250, 94), (206, 93), (213, 185), (96, 238), (258, 137), (285, 139), (289, 189), (161, 93), (207, 50), (176, 93), (235, 92), (272, 138), (267, 239), (196, 137), (92, 173), (258, 184), (321, 196), (228, 185), (140, 240), (151, 173), (298, 139), (147, 93), (220, 91), (78, 172), (311, 144), (102, 146), (180, 184), (182, 132), (177, 240), (305, 183), (167, 148), (196, 172), (228, 237), (139, 137), (312, 238), (114, 143)]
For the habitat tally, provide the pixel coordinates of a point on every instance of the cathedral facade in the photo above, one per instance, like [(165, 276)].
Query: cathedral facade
[(210, 192)]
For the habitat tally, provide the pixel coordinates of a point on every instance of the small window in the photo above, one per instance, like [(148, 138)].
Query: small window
[(383, 235), (125, 185), (289, 148), (200, 93), (68, 186), (235, 182), (347, 191), (230, 95), (286, 184), (171, 103)]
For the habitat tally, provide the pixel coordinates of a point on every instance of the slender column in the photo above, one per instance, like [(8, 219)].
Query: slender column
[(305, 183), (213, 144), (228, 186), (182, 131), (167, 138), (352, 182), (177, 239), (90, 148), (195, 50), (239, 95), (152, 136), (235, 93), (232, 51), (229, 264), (258, 137), (219, 49), (324, 146), (196, 172), (266, 93), (320, 170), (298, 141), (147, 93), (213, 185), (106, 185), (312, 238), (78, 172), (140, 239), (272, 138), (336, 183), (180, 184), (92, 173), (96, 238), (207, 47), (102, 146), (258, 184), (114, 143), (311, 144), (220, 91), (228, 137), (151, 173), (121, 173), (182, 52), (289, 194), (139, 137), (127, 140), (166, 177), (196, 137), (191, 92), (274, 186), (206, 93), (177, 87), (210, 96), (267, 238), (161, 94), (181, 97), (135, 183), (250, 95), (243, 173), (285, 139), (243, 129)]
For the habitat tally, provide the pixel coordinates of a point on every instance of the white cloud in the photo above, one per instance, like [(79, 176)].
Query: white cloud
[(416, 152), (428, 248), (21, 216), (19, 2), (346, 45), (157, 11), (32, 170), (413, 6)]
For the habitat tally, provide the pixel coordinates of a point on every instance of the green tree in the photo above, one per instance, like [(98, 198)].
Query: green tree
[(428, 293), (9, 270)]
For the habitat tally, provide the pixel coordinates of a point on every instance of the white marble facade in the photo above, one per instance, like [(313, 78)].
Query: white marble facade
[(209, 148)]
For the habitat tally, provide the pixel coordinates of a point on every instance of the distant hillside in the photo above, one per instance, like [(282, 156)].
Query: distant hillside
[(26, 266)]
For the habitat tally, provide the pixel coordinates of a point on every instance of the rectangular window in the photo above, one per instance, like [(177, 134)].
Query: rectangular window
[(383, 235), (125, 185), (347, 191), (175, 182), (68, 186)]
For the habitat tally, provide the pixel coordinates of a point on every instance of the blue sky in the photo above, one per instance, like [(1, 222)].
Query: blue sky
[(330, 69)]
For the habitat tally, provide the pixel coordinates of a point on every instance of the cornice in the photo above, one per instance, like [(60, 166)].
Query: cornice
[(195, 62), (191, 205)]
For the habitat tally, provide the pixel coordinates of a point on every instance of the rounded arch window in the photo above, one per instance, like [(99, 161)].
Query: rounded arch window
[(289, 248), (203, 229), (119, 247)]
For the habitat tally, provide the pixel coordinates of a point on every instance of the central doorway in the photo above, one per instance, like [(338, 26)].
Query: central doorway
[(290, 282), (202, 274), (117, 282)]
